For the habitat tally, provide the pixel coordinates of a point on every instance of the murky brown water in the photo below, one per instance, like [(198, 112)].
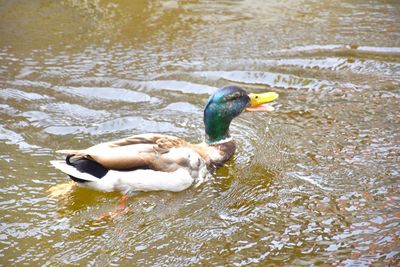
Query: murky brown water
[(314, 183)]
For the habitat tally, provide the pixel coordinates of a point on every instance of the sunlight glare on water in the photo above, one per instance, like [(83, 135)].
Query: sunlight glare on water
[(314, 182)]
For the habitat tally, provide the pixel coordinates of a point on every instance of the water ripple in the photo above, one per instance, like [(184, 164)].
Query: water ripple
[(107, 93), (271, 80)]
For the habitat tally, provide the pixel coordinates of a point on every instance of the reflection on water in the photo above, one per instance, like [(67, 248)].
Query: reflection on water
[(313, 183)]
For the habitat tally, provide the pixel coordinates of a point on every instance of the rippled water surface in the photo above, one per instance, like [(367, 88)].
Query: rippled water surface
[(315, 182)]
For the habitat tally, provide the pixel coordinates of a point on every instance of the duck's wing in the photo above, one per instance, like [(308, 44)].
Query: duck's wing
[(159, 139), (138, 151)]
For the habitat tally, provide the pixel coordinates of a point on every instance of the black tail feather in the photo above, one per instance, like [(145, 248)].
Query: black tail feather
[(87, 166)]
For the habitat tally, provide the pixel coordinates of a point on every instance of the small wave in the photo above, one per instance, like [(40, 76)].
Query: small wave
[(108, 93), (10, 93), (13, 138), (313, 179), (131, 124), (29, 83), (182, 86), (268, 79), (183, 107), (388, 53)]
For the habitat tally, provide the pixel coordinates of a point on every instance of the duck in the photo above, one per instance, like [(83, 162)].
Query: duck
[(159, 162)]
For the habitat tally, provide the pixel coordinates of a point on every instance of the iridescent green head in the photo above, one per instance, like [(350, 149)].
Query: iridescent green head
[(226, 104), (222, 107)]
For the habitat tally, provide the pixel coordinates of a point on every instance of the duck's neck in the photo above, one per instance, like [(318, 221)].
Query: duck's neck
[(216, 131)]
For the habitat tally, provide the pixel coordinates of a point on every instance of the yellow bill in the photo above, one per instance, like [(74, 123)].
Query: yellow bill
[(258, 102)]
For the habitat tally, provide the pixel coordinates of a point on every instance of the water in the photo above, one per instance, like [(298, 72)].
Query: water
[(313, 183)]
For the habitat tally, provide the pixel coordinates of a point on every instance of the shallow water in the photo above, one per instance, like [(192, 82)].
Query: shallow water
[(313, 183)]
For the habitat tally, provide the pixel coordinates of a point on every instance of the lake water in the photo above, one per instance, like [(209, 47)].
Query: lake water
[(316, 182)]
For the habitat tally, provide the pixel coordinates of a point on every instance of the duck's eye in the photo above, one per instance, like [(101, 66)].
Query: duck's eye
[(234, 96)]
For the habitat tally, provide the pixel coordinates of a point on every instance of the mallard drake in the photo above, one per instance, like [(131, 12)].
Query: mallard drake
[(151, 162)]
